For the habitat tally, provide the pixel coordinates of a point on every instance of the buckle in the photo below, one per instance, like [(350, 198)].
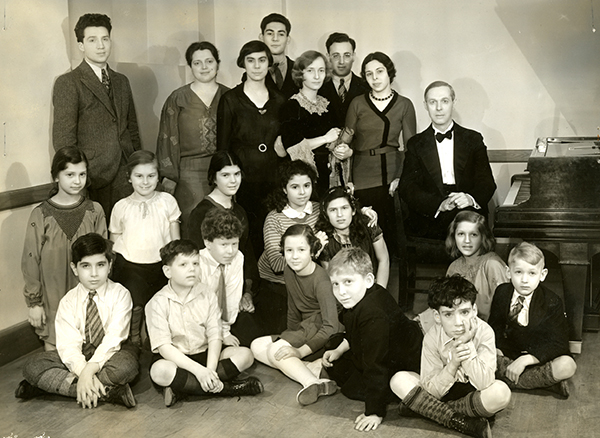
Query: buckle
[(262, 147)]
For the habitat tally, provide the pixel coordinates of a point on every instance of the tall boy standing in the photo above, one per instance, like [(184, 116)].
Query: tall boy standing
[(92, 362), (94, 111), (379, 339), (531, 327), (456, 387), (184, 325)]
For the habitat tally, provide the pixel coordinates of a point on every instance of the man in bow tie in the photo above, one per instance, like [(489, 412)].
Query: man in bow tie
[(94, 111), (446, 169), (275, 33)]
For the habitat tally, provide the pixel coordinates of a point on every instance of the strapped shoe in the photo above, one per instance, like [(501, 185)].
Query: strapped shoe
[(310, 394), (249, 386), (120, 395), (27, 391), (477, 427)]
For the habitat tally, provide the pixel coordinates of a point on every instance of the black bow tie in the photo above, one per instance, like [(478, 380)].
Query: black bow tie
[(440, 137)]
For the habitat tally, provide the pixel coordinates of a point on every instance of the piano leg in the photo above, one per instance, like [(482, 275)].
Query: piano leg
[(574, 264)]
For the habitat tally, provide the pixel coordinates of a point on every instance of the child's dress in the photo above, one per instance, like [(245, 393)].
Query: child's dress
[(334, 245), (51, 230)]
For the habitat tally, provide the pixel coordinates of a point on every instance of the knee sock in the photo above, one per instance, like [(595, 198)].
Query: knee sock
[(470, 405), (58, 381), (421, 402), (227, 370), (186, 383), (537, 376)]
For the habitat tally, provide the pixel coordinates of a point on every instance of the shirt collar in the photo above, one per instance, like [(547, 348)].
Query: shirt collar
[(209, 259), (435, 130), (97, 70), (516, 295), (293, 214), (100, 292), (347, 79)]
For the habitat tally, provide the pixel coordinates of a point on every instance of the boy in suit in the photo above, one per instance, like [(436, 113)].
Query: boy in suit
[(456, 387), (94, 111), (446, 169), (275, 33), (222, 270), (93, 360), (184, 325), (379, 339), (531, 327), (344, 85)]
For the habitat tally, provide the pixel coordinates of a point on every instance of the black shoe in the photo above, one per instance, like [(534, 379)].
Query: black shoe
[(473, 426), (120, 395), (26, 391), (249, 386), (561, 388)]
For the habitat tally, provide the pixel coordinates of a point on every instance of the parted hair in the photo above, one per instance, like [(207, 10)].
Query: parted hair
[(359, 230), (220, 160), (91, 244), (528, 252), (302, 230), (339, 37), (436, 84), (91, 20), (449, 291), (64, 156), (176, 247), (488, 241), (220, 224), (140, 157)]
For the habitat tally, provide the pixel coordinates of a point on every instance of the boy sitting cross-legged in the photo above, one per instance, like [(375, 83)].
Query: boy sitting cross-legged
[(379, 339), (93, 360), (456, 387), (184, 325), (531, 327)]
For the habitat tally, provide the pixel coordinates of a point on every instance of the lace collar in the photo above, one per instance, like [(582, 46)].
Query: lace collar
[(319, 107)]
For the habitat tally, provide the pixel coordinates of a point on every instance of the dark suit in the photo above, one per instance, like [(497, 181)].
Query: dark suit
[(421, 185), (357, 87), (546, 336), (288, 89), (104, 127)]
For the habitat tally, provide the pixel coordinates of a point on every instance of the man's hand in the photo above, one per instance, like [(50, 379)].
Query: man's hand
[(89, 388), (246, 303), (330, 356), (209, 380), (460, 200), (367, 423), (37, 316), (231, 341)]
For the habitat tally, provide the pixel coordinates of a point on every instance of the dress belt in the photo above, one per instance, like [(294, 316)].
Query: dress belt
[(378, 151)]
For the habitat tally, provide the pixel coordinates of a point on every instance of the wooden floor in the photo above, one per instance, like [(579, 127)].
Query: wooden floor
[(275, 413)]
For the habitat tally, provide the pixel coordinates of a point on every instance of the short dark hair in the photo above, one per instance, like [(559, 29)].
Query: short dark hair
[(275, 18), (339, 37), (436, 84), (201, 45), (488, 242), (67, 155), (449, 291), (302, 230), (218, 161), (91, 244), (277, 199), (306, 59), (352, 259), (176, 247), (220, 224), (384, 59), (254, 46), (140, 157), (91, 20)]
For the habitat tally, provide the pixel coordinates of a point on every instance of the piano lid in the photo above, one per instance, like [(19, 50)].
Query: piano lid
[(565, 173)]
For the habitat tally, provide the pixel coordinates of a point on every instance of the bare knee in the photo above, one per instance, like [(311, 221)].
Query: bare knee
[(163, 372), (241, 357), (563, 367), (403, 382), (259, 348), (496, 397)]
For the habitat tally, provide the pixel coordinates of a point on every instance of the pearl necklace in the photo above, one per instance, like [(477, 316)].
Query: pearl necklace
[(382, 99)]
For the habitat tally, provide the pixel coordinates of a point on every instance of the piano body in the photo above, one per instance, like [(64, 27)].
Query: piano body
[(557, 207)]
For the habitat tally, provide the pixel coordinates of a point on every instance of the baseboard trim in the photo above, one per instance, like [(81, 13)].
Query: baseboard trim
[(17, 341)]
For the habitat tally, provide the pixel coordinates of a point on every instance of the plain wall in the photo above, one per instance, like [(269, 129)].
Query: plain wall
[(521, 69)]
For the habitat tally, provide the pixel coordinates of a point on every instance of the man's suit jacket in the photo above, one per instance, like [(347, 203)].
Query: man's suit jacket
[(546, 336), (288, 89), (86, 117), (357, 87), (421, 185)]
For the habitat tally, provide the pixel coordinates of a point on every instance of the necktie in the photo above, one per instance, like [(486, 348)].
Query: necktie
[(221, 292), (516, 308), (342, 91), (105, 80), (278, 76), (440, 137), (94, 332)]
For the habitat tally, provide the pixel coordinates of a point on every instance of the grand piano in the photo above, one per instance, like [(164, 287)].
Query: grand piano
[(556, 205)]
